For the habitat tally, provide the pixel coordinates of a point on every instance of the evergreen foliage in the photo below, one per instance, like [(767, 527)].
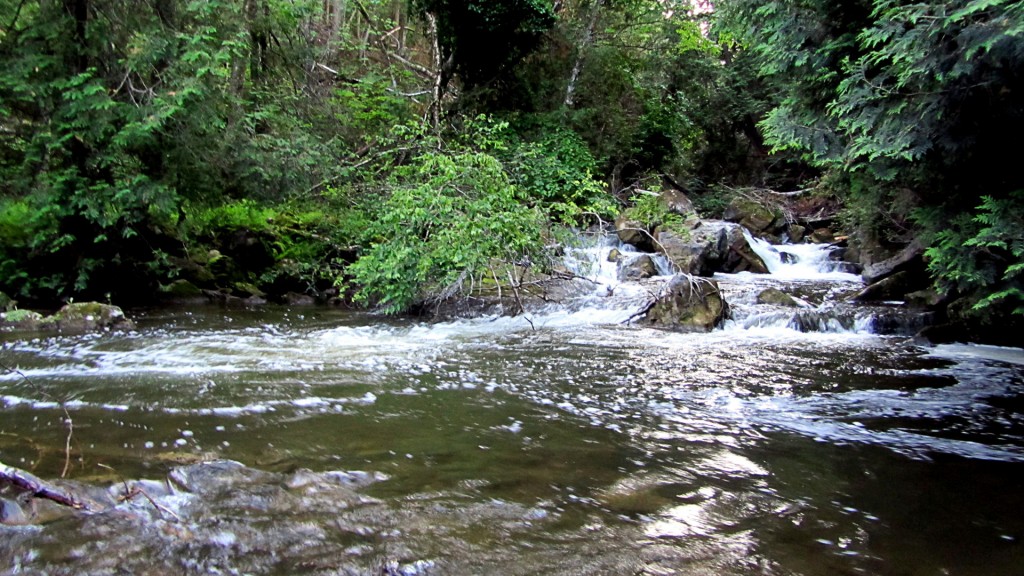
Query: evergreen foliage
[(912, 100)]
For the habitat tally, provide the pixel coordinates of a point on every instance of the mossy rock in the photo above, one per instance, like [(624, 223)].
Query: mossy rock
[(81, 317), (753, 216), (688, 304), (21, 320), (7, 303), (182, 290), (247, 290)]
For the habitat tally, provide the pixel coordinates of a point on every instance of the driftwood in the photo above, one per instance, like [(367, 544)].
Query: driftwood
[(27, 482)]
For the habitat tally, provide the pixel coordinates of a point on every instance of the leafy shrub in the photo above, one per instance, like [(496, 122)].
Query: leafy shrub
[(557, 174), (448, 217)]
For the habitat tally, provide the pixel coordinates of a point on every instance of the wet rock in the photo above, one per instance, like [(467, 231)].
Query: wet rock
[(796, 233), (777, 297), (11, 513), (637, 268), (688, 304), (892, 288), (296, 299), (81, 317), (996, 324), (150, 488), (208, 477), (633, 232), (928, 299), (614, 255), (687, 253), (822, 236), (711, 246), (907, 259)]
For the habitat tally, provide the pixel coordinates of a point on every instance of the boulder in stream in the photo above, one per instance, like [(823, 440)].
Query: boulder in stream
[(777, 297), (688, 304), (710, 246), (632, 231), (892, 288), (21, 320), (636, 268), (754, 216), (81, 317)]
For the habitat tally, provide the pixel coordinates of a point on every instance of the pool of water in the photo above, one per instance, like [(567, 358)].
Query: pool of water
[(498, 448)]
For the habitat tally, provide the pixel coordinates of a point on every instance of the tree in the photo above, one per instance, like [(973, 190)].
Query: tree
[(903, 97)]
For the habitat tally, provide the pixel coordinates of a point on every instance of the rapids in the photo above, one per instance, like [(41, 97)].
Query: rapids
[(815, 440)]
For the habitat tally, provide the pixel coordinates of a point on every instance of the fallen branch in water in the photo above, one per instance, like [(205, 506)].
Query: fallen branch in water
[(27, 482)]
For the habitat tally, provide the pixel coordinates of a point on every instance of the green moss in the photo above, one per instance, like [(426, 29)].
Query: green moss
[(21, 316)]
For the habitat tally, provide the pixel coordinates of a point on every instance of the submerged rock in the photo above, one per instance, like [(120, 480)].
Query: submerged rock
[(777, 297), (11, 513), (688, 304)]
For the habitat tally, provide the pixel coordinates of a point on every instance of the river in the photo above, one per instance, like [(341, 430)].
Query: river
[(811, 441)]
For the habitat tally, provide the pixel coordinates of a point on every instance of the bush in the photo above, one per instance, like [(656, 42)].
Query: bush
[(449, 217)]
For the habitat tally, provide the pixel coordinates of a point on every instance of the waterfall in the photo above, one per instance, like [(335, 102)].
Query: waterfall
[(806, 272), (800, 261)]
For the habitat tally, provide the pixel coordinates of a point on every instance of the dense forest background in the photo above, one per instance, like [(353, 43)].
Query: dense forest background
[(387, 151)]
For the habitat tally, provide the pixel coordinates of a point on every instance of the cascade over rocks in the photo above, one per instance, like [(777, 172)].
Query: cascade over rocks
[(776, 297), (688, 304)]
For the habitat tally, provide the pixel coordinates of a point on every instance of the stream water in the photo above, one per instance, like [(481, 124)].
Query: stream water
[(818, 440)]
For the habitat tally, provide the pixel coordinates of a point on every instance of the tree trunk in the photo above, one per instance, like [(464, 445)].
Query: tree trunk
[(439, 81), (577, 67)]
